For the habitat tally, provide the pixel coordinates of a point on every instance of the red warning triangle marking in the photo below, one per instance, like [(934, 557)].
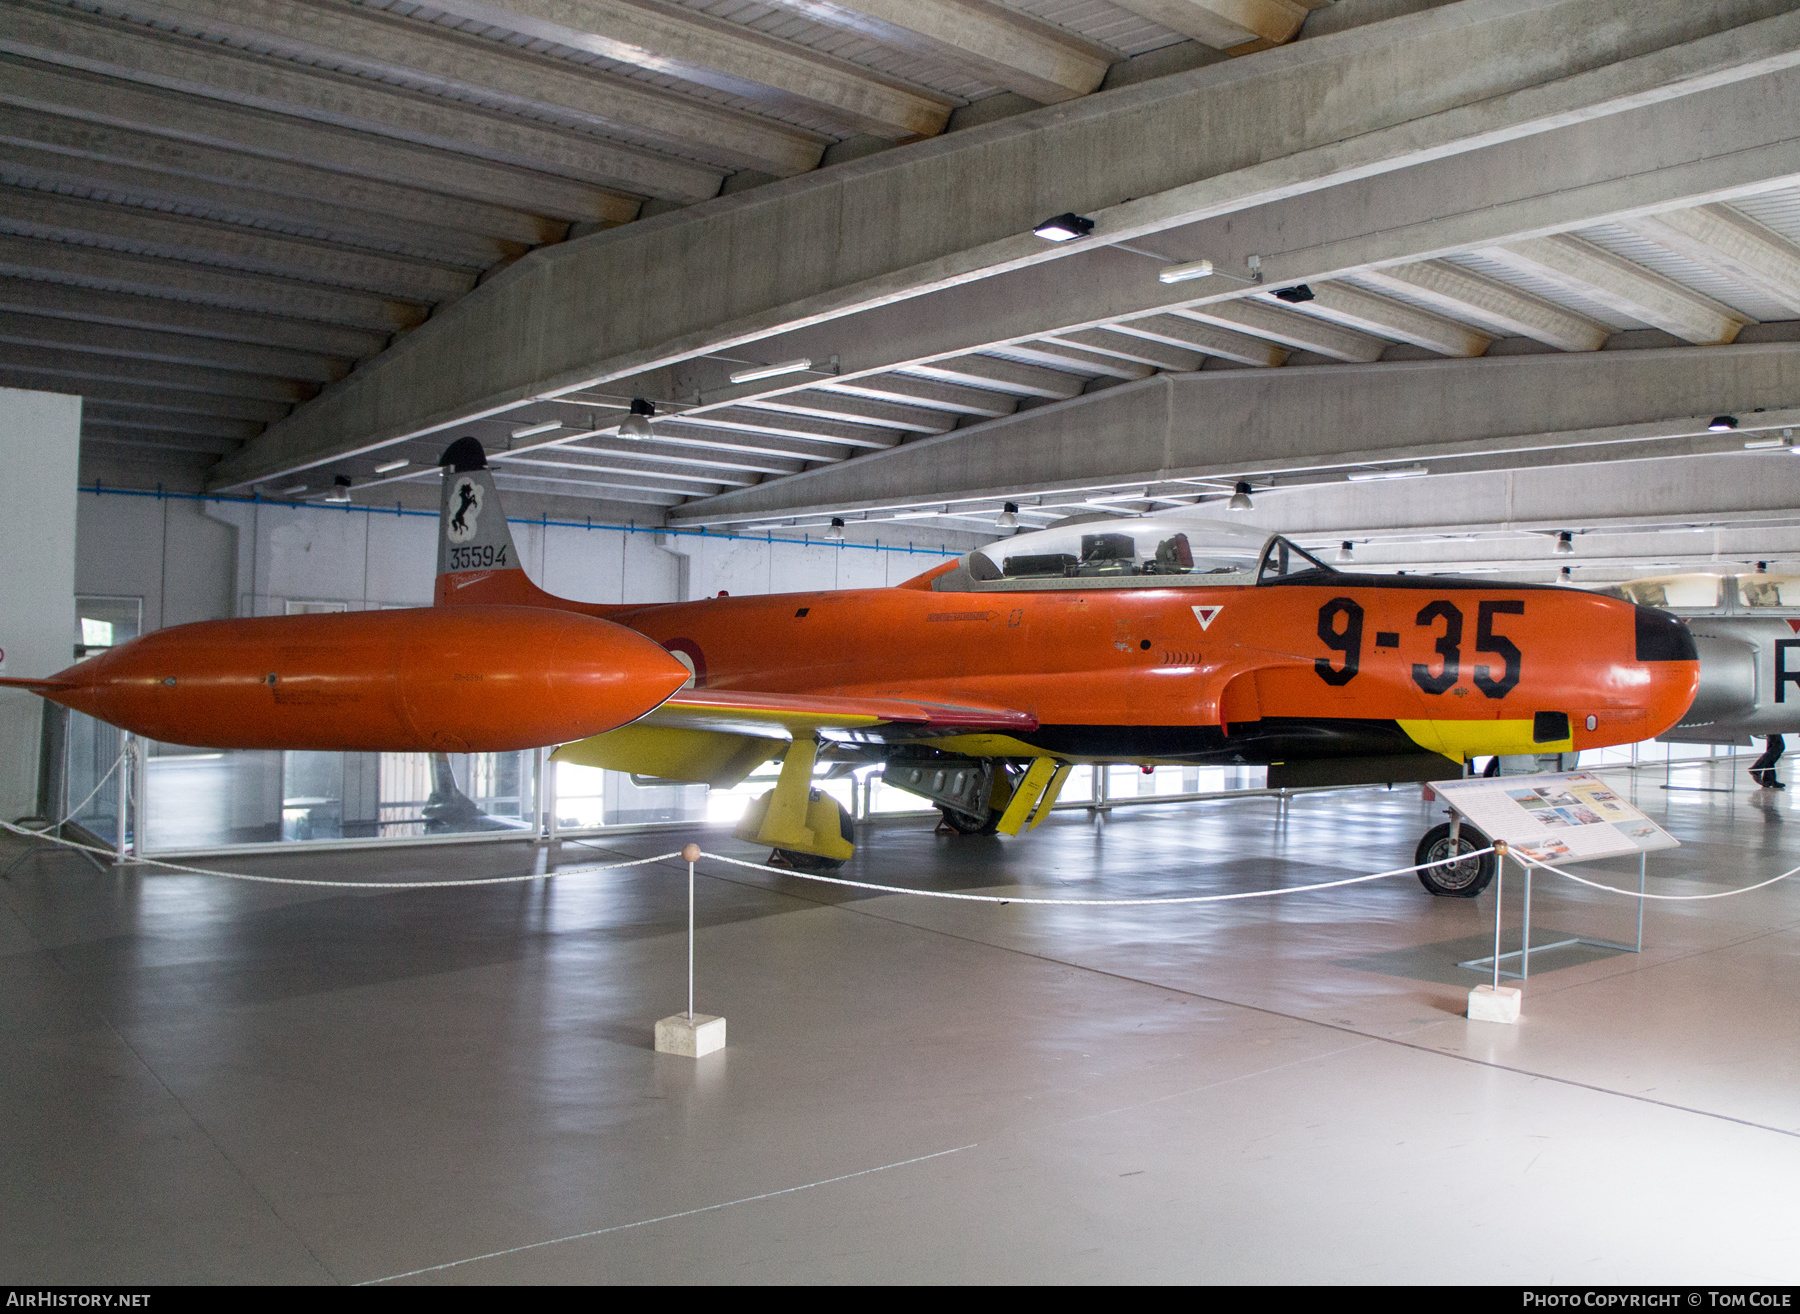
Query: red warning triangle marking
[(1794, 625), (1205, 615)]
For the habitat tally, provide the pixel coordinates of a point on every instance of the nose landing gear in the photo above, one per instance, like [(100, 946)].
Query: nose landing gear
[(1455, 880)]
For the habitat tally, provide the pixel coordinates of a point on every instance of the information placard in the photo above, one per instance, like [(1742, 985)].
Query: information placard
[(1568, 816)]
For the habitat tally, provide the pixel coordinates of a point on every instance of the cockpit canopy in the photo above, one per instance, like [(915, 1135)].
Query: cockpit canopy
[(1701, 591), (1154, 551)]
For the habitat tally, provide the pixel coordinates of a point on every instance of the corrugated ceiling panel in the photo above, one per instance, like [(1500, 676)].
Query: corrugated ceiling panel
[(1732, 292), (1778, 210), (1547, 288)]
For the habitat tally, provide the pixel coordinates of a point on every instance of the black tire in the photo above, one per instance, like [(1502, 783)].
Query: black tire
[(1460, 880), (963, 824), (813, 861)]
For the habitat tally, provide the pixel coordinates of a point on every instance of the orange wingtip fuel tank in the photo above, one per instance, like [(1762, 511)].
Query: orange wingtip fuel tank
[(478, 679)]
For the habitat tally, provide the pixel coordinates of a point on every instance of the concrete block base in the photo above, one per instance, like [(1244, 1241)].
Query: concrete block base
[(1486, 1004), (700, 1034)]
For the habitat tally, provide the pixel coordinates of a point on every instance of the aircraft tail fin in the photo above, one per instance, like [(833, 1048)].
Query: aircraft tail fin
[(477, 559)]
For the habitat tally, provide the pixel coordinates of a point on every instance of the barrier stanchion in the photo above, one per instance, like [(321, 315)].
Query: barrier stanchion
[(1498, 1003), (690, 1034)]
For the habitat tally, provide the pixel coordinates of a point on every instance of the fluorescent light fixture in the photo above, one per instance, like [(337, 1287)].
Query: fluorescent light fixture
[(533, 430), (1064, 228), (756, 372), (922, 515), (388, 467), (292, 491), (835, 530), (1390, 472), (1722, 424), (1184, 273)]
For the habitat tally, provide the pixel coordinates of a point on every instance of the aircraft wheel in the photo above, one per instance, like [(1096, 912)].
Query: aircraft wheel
[(1458, 880), (817, 862), (964, 824)]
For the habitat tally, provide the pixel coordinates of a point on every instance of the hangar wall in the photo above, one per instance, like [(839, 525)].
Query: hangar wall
[(191, 559), (40, 435)]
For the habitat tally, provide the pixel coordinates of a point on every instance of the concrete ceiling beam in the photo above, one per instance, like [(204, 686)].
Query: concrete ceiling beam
[(1730, 243), (87, 266), (931, 395), (1223, 24), (742, 419), (670, 453), (859, 410), (906, 292), (257, 185), (268, 134), (317, 220), (1129, 347), (728, 57), (1320, 421), (1002, 46), (432, 57), (999, 375), (1383, 316), (30, 213), (146, 397), (667, 479), (1082, 360), (154, 440), (134, 53), (1623, 287), (1207, 339), (1289, 328), (126, 416), (715, 439), (337, 344), (114, 346), (1461, 293), (79, 366)]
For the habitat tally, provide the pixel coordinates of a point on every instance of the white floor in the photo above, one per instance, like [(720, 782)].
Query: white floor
[(206, 1081)]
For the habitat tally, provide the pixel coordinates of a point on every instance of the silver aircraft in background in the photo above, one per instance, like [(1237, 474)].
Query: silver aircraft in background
[(1747, 628)]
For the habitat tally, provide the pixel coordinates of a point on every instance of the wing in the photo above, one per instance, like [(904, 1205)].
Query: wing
[(719, 736)]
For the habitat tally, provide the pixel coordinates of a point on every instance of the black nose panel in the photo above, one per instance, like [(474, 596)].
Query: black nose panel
[(1663, 638)]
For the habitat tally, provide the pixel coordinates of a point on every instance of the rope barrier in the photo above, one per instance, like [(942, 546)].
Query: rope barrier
[(341, 885), (1103, 903), (76, 810), (1633, 894)]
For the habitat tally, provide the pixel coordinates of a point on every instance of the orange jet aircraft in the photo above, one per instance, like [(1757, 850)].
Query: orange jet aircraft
[(978, 685), (1157, 640)]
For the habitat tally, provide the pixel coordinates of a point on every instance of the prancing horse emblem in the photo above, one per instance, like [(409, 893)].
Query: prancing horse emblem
[(468, 512)]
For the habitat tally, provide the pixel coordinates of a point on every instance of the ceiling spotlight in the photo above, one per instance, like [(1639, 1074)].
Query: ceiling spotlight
[(756, 372), (340, 490), (1565, 544), (1762, 568), (1346, 551), (1722, 424), (636, 426), (1064, 228), (388, 467), (1566, 573), (1182, 273), (1240, 497), (835, 530), (533, 430), (1294, 295), (1009, 516)]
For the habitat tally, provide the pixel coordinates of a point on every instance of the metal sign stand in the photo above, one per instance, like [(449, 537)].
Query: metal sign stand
[(1524, 951)]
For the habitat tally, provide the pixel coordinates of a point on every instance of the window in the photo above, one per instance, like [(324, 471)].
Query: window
[(106, 622)]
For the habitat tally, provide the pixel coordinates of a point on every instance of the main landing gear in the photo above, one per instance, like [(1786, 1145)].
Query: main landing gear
[(1455, 880)]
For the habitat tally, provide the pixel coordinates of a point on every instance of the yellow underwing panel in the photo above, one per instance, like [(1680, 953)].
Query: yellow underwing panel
[(709, 757), (1462, 740)]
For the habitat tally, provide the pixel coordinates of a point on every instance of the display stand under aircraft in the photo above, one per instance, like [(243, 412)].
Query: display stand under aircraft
[(978, 685)]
